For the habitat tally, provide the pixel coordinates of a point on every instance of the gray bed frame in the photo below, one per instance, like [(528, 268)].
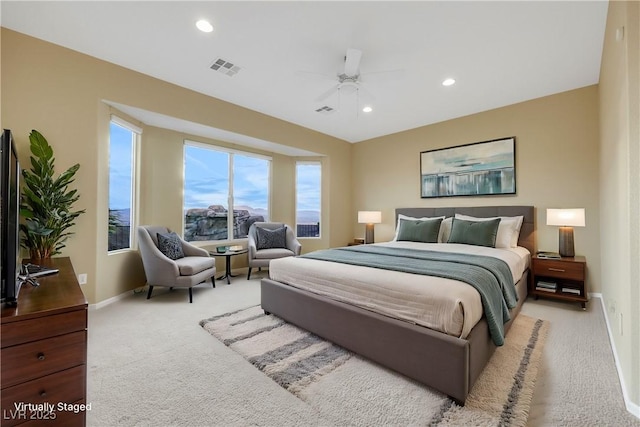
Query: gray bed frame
[(448, 364)]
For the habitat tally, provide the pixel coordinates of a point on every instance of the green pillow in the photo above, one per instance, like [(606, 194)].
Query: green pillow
[(425, 231), (479, 233)]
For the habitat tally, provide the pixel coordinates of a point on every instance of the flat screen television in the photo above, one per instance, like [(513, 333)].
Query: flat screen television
[(9, 227)]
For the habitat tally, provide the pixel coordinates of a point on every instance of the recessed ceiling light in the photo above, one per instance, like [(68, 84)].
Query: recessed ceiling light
[(204, 26), (448, 82), (367, 109)]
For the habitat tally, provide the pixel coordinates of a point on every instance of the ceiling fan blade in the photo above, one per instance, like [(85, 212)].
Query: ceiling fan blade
[(352, 62), (327, 93), (314, 75), (394, 74)]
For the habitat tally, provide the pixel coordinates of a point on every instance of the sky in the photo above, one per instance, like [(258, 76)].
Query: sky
[(206, 176), (120, 168), (308, 179)]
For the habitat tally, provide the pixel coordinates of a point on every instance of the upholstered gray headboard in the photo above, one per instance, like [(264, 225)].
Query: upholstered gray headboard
[(527, 232)]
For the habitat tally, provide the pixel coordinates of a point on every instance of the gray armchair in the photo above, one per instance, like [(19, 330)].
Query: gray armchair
[(261, 257), (188, 271)]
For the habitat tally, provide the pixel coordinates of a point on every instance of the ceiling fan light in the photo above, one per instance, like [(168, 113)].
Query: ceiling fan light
[(448, 82), (204, 26), (367, 109)]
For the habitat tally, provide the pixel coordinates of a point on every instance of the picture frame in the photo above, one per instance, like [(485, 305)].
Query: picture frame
[(477, 169)]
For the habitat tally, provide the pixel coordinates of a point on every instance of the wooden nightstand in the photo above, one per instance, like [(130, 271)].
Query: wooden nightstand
[(562, 279)]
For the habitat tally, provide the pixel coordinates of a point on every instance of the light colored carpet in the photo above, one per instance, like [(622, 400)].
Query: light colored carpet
[(325, 375), (578, 383), (150, 364)]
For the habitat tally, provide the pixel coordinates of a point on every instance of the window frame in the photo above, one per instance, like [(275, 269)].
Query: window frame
[(230, 190), (135, 180)]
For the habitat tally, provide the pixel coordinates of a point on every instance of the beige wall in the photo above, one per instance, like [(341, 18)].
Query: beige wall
[(60, 92), (556, 166), (620, 188)]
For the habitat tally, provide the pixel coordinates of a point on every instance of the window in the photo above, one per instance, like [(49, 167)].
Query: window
[(308, 198), (250, 190), (216, 178), (123, 139)]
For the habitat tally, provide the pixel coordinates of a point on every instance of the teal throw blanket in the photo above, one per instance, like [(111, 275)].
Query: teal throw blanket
[(491, 277)]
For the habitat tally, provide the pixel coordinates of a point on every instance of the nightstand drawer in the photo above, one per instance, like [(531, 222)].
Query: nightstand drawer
[(559, 269), (25, 362)]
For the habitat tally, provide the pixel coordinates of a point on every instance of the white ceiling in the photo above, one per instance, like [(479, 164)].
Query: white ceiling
[(500, 53)]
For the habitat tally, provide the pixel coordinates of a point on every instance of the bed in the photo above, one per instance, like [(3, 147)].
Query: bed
[(448, 363)]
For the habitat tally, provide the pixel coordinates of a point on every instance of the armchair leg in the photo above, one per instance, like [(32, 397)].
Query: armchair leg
[(249, 274), (149, 293), (213, 281), (190, 295)]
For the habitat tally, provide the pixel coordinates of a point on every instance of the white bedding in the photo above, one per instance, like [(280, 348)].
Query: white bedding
[(445, 305)]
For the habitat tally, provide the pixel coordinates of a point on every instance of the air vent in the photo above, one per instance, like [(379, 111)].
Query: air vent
[(325, 110), (225, 67)]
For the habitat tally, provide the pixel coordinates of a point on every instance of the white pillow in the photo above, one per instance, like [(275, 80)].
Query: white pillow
[(445, 230), (410, 218), (508, 230)]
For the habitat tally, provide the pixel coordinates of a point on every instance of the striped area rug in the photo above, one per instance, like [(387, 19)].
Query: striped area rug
[(349, 390)]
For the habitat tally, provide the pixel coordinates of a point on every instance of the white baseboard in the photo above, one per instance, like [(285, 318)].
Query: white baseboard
[(631, 407), (111, 300)]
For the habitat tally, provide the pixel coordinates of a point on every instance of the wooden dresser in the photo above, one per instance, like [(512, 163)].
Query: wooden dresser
[(44, 352)]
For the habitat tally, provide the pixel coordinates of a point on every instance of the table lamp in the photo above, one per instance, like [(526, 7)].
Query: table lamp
[(369, 218), (566, 219)]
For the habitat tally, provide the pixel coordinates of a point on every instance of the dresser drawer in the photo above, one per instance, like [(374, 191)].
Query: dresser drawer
[(63, 418), (67, 386), (559, 269), (43, 327), (32, 360)]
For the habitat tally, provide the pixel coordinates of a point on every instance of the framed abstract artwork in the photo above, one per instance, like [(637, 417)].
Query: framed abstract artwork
[(477, 169)]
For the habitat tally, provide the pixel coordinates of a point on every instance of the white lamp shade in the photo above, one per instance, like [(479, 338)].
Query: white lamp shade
[(566, 217), (369, 217)]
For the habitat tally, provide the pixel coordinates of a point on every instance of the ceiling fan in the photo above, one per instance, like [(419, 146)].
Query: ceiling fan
[(348, 83), (349, 78)]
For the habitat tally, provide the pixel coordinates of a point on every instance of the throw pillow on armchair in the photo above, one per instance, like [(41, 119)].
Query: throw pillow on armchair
[(269, 239)]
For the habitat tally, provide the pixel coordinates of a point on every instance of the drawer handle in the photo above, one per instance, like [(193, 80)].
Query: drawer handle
[(557, 269), (40, 356), (43, 393)]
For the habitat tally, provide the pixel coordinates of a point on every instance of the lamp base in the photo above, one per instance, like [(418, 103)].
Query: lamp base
[(368, 236), (565, 242)]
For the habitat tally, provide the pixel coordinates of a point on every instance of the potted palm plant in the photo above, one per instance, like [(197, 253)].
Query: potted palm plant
[(46, 202)]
